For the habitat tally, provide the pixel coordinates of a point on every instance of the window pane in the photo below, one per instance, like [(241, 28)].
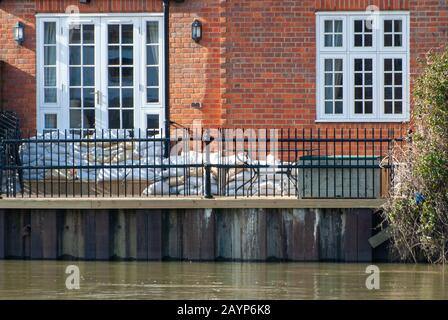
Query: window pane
[(358, 107), (398, 65), (358, 25), (114, 77), (128, 98), (74, 35), (388, 64), (358, 79), (329, 107), (338, 40), (89, 119), (387, 25), (368, 107), (368, 79), (75, 76), (51, 121), (75, 55), (329, 93), (328, 65), (398, 93), (368, 64), (114, 119), (152, 95), (75, 98), (358, 64), (152, 121), (75, 118), (338, 65), (89, 98), (50, 55), (114, 98), (338, 26), (398, 79), (328, 79), (50, 95), (88, 34), (388, 79), (338, 79), (358, 93), (388, 93), (367, 40), (388, 40), (152, 76), (89, 77), (368, 93), (152, 32), (50, 76), (50, 33), (88, 55), (152, 55), (397, 40), (397, 26), (128, 119), (328, 40), (338, 107), (358, 40), (338, 93), (127, 33), (368, 24), (328, 26), (388, 107), (114, 55), (113, 33), (127, 76), (127, 55), (398, 107)]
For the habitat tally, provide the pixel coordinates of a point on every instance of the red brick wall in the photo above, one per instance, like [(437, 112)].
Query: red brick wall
[(255, 66), (271, 56), (19, 85)]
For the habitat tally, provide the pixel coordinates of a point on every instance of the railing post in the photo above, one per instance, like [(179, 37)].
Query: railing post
[(207, 167)]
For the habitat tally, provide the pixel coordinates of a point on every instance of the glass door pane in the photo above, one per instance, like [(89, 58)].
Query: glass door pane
[(120, 75), (81, 76)]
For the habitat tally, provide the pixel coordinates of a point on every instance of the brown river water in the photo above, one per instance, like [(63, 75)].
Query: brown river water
[(219, 280)]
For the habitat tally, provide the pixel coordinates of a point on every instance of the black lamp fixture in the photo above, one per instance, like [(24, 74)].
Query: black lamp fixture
[(19, 33), (84, 1), (196, 31)]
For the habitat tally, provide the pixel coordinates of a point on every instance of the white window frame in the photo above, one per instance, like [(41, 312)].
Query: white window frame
[(378, 52), (61, 108), (321, 30), (321, 66)]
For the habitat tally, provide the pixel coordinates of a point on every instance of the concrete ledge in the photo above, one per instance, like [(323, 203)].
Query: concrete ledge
[(188, 203)]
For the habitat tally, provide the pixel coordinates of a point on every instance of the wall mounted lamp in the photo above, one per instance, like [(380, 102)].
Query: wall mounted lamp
[(196, 31), (19, 33)]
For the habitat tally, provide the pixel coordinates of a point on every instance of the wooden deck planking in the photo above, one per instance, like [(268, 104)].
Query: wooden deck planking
[(188, 203)]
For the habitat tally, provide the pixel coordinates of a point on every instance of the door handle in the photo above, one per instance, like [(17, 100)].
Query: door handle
[(97, 94)]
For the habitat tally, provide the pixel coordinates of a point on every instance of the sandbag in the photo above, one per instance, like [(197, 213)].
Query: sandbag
[(157, 188)]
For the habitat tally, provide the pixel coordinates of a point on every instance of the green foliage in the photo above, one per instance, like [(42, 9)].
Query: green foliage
[(420, 230)]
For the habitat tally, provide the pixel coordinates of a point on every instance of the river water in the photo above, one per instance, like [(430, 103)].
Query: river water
[(220, 280)]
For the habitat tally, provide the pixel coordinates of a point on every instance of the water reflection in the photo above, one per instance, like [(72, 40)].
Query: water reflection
[(183, 280)]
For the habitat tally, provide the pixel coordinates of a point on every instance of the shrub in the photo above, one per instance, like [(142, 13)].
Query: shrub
[(417, 208)]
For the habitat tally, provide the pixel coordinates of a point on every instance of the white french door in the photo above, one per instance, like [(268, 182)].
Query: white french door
[(110, 72)]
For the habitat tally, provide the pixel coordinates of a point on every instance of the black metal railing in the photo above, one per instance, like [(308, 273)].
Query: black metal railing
[(302, 163)]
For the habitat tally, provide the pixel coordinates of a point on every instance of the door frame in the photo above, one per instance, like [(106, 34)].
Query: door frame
[(141, 108)]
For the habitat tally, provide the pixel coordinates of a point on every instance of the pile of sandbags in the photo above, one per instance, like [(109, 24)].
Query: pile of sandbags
[(240, 177), (140, 161), (68, 157)]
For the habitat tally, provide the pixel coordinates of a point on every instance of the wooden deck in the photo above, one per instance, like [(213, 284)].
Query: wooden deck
[(188, 203)]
